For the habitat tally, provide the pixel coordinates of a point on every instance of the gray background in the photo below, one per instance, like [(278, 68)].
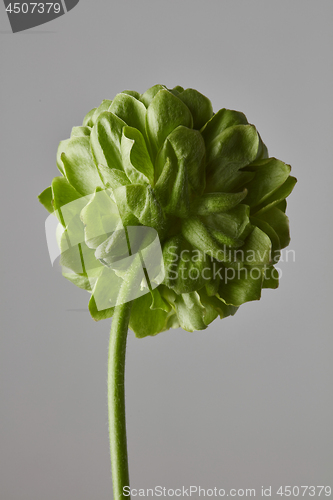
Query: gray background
[(246, 403)]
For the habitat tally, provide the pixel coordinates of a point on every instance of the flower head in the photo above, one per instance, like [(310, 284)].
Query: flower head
[(202, 181)]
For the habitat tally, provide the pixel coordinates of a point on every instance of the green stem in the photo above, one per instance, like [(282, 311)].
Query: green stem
[(116, 375), (116, 399)]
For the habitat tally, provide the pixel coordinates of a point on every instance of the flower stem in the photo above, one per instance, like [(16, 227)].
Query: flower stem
[(116, 373), (116, 399)]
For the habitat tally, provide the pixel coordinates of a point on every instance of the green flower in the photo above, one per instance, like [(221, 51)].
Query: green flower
[(203, 181)]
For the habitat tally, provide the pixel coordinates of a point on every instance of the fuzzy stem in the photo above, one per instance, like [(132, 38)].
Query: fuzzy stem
[(116, 399), (116, 373)]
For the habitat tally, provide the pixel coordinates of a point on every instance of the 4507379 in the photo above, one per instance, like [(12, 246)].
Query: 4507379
[(34, 7), (302, 491)]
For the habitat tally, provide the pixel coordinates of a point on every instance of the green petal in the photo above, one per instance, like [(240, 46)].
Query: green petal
[(75, 254), (106, 292), (262, 150), (112, 177), (104, 106), (100, 217), (79, 165), (130, 110), (190, 312), (197, 233), (144, 320), (212, 203), (222, 120), (270, 174), (158, 302), (277, 196), (78, 280), (215, 307), (141, 202), (133, 93), (189, 149), (256, 250), (212, 286), (210, 313), (64, 196), (79, 258), (231, 150), (271, 278), (239, 180), (172, 186), (279, 222), (275, 240), (186, 269), (45, 198), (149, 95), (282, 205), (82, 281), (176, 90), (225, 240), (87, 119), (235, 145), (61, 148), (165, 113), (115, 248), (180, 170), (241, 286), (199, 105), (96, 314), (63, 192), (106, 140), (106, 289), (136, 160), (80, 131), (235, 222)]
